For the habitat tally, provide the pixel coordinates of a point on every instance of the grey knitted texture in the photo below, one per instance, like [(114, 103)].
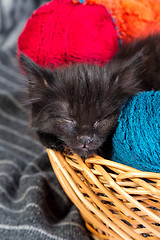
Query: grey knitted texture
[(33, 205)]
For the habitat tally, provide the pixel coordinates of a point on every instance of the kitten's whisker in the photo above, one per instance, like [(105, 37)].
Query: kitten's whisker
[(33, 100), (29, 101), (36, 118)]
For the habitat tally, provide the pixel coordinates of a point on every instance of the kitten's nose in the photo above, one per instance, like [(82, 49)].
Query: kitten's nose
[(85, 139)]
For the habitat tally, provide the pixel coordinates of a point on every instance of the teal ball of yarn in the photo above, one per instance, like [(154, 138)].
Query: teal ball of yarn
[(136, 142)]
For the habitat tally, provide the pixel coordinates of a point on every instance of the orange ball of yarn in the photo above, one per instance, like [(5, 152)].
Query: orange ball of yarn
[(134, 18)]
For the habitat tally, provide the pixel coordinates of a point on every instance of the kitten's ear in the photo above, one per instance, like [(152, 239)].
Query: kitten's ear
[(35, 73), (129, 76)]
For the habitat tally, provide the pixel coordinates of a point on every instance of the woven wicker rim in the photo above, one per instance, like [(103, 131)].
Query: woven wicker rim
[(89, 185)]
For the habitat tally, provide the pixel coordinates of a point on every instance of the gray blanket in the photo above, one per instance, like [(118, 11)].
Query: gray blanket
[(33, 205)]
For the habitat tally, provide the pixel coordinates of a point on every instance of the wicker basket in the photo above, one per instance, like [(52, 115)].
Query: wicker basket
[(115, 201)]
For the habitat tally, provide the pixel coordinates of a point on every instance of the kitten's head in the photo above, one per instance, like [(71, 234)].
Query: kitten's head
[(78, 106)]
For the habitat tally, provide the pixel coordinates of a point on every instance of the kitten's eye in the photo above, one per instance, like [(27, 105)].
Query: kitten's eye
[(65, 120), (102, 119), (68, 120), (96, 124)]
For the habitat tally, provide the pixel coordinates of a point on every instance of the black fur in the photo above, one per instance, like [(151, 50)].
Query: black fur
[(78, 106)]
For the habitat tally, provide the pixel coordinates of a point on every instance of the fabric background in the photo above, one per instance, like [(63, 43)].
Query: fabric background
[(33, 205)]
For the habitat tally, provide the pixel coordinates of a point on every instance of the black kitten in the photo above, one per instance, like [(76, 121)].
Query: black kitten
[(78, 106)]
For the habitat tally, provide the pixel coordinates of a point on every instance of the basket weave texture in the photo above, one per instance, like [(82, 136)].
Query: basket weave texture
[(115, 201)]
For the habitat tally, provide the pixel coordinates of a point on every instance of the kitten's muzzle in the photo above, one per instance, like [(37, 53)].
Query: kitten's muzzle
[(85, 140)]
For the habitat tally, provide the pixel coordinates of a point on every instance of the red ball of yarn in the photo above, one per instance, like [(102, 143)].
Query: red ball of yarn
[(61, 32)]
